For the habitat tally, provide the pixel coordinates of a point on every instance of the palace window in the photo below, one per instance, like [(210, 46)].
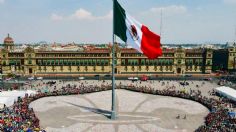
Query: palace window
[(179, 61), (102, 62), (151, 62), (107, 62), (143, 62), (147, 62), (56, 62), (52, 62), (156, 62), (29, 62), (208, 62), (99, 62), (123, 62), (94, 62), (159, 61), (77, 62), (73, 62)]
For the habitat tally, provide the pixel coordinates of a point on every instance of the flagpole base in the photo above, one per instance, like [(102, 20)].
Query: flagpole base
[(113, 115)]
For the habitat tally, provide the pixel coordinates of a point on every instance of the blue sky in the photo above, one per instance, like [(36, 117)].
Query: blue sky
[(90, 21)]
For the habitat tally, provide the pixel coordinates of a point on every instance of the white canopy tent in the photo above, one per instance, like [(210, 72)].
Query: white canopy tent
[(8, 97), (7, 101), (227, 92)]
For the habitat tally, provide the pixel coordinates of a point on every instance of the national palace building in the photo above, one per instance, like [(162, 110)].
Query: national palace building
[(82, 60)]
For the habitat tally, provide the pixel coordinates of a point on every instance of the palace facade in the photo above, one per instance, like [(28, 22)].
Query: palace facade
[(85, 60)]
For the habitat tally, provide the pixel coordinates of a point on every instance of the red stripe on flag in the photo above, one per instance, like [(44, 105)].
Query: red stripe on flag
[(150, 43)]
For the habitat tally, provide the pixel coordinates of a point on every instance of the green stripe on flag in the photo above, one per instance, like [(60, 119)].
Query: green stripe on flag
[(119, 22)]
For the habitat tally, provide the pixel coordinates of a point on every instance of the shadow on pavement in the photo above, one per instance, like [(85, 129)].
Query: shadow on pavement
[(105, 113)]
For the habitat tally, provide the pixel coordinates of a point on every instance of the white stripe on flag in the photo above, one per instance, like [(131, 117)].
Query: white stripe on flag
[(134, 42)]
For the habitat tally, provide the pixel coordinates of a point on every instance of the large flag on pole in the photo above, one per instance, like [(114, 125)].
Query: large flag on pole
[(135, 34)]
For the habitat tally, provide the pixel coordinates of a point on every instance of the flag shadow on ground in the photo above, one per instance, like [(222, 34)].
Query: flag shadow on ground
[(105, 113)]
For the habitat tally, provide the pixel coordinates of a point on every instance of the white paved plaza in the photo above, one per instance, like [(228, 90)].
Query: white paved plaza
[(137, 112)]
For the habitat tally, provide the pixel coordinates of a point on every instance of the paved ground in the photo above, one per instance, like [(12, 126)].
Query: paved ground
[(137, 112)]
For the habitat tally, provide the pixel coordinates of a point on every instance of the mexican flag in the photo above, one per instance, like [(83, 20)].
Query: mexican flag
[(135, 34)]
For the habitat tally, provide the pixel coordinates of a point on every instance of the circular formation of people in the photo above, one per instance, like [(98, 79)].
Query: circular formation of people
[(21, 118)]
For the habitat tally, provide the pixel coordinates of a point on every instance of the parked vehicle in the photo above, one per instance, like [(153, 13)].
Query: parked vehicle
[(39, 78), (133, 78), (207, 79), (81, 78), (187, 75), (31, 78), (8, 79), (144, 78)]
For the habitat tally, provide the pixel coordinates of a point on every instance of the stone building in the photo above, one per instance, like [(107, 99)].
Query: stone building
[(85, 60)]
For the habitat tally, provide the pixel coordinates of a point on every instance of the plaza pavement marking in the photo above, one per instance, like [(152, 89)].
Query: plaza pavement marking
[(139, 127), (140, 104), (140, 119), (91, 102), (89, 128), (131, 97), (101, 99)]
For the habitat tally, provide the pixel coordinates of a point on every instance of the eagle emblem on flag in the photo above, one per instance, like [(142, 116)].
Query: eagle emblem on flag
[(134, 33)]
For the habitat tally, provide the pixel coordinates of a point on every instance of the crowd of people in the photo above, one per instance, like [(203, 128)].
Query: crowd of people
[(20, 118)]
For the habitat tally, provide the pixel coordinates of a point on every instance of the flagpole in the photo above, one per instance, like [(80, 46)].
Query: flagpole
[(113, 109), (161, 24)]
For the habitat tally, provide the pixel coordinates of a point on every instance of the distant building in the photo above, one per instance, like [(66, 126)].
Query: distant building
[(72, 59)]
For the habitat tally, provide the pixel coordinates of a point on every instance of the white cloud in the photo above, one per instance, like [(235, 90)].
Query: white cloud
[(81, 14), (230, 1), (168, 10), (56, 17)]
